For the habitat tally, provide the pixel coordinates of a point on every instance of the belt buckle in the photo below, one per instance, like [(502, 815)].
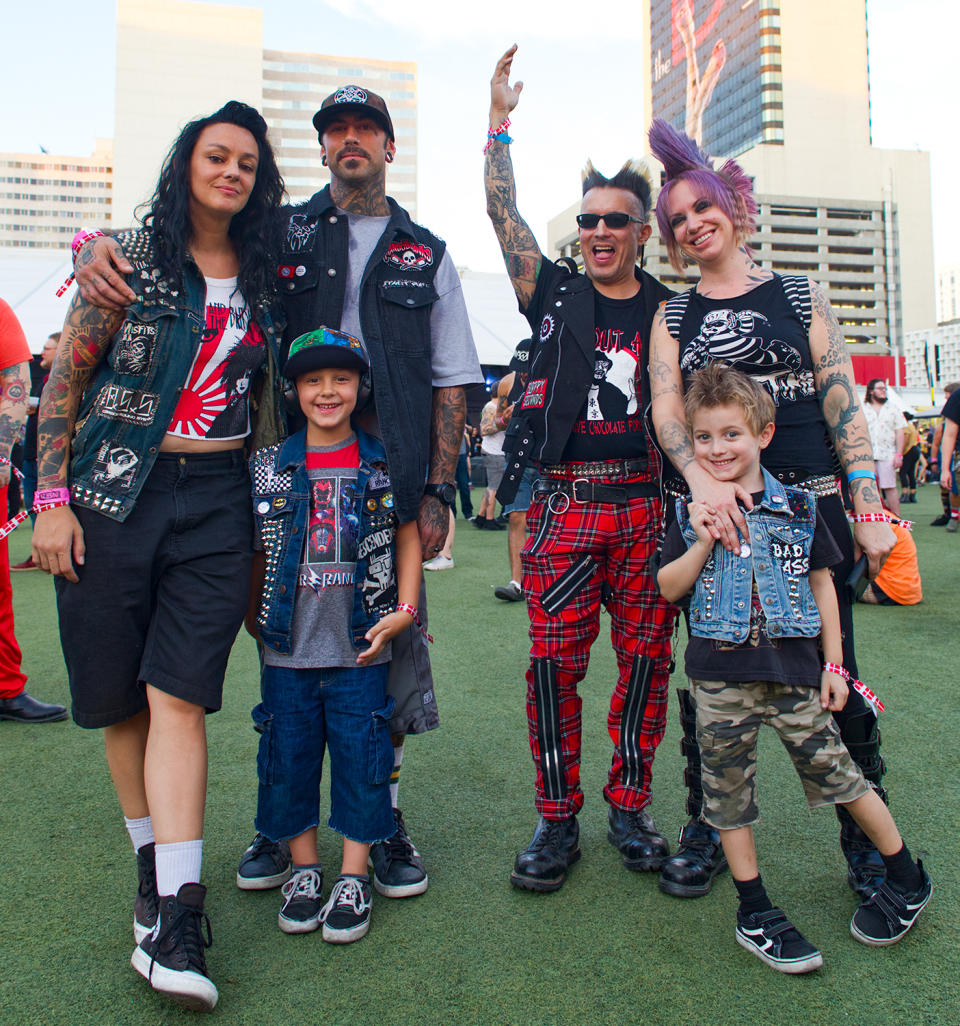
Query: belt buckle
[(576, 498), (558, 502)]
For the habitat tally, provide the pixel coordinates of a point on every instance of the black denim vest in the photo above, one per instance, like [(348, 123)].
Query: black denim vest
[(397, 294)]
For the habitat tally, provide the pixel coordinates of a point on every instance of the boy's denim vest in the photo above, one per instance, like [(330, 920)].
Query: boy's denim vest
[(781, 530), (281, 505), (128, 404)]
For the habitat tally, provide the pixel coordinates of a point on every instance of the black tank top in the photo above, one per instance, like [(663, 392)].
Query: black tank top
[(763, 333)]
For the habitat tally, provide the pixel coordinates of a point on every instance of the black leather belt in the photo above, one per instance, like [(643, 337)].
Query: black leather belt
[(582, 491), (602, 468)]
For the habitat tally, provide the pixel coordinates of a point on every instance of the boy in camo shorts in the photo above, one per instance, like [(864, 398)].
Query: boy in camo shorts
[(765, 647)]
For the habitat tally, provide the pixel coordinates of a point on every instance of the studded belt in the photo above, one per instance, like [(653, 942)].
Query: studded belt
[(610, 469), (820, 486)]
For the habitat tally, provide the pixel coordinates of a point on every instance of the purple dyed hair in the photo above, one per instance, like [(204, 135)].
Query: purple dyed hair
[(729, 189)]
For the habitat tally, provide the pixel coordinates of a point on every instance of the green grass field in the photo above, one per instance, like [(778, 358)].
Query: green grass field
[(607, 948)]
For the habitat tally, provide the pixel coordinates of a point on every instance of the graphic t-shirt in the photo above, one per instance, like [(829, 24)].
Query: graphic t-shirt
[(215, 401), (761, 334), (610, 426), (786, 660), (323, 609)]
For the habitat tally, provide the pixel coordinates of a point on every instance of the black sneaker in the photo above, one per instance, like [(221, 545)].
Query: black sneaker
[(776, 941), (543, 865), (941, 520), (171, 955), (346, 915), (888, 913), (146, 903), (264, 865), (509, 592), (689, 872), (398, 870), (635, 835), (303, 904)]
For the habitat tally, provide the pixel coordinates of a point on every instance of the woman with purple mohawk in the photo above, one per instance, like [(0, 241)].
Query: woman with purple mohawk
[(782, 331)]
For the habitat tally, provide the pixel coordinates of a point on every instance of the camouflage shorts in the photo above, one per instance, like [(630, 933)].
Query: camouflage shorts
[(728, 719)]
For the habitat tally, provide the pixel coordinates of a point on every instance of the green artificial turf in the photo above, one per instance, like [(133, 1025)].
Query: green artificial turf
[(608, 948)]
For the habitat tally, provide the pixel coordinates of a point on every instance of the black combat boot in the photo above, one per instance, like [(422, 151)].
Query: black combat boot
[(699, 856), (543, 865)]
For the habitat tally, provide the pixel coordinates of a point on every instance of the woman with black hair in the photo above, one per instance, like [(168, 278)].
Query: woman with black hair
[(148, 526)]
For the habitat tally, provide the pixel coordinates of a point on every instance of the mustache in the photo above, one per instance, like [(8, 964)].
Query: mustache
[(352, 151)]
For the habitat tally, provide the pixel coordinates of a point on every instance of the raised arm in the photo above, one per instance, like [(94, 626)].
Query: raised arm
[(520, 251), (86, 335), (666, 388), (14, 399), (836, 391), (446, 432)]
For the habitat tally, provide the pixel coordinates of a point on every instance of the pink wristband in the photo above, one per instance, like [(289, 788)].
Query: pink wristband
[(46, 496), (82, 237)]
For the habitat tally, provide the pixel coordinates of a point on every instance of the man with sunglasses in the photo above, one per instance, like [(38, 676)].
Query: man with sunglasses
[(596, 509)]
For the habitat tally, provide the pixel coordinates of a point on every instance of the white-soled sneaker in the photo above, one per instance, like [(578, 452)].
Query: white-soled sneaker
[(346, 915)]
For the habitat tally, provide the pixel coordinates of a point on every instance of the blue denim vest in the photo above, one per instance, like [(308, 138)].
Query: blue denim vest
[(281, 506), (127, 406), (781, 530)]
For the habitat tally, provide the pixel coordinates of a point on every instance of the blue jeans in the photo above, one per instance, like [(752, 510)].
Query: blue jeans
[(303, 711)]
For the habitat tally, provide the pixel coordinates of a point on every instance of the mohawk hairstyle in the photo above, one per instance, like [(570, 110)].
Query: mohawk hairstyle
[(730, 189), (633, 177)]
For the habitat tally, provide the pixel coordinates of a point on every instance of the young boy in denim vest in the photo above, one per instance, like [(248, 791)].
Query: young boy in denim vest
[(765, 647), (335, 580)]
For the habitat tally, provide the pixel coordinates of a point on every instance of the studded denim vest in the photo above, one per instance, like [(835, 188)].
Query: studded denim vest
[(281, 506), (780, 534), (127, 406)]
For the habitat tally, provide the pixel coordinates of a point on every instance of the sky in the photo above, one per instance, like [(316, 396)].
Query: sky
[(582, 95)]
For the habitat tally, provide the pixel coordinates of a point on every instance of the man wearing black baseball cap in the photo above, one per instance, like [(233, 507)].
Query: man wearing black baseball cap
[(351, 258)]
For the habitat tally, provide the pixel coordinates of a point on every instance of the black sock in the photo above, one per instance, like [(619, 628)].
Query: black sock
[(903, 874), (753, 897)]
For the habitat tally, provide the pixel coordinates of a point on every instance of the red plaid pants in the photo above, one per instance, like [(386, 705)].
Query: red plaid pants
[(621, 538)]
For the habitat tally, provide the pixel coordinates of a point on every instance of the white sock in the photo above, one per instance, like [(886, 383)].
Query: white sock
[(395, 775), (140, 831), (518, 584), (177, 864)]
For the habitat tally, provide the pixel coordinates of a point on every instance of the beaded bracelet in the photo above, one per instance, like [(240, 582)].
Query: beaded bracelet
[(405, 607), (499, 133), (857, 475)]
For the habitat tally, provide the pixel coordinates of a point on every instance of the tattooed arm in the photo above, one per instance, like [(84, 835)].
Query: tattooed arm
[(666, 387), (14, 397), (446, 432), (846, 423), (57, 535), (99, 268), (520, 251)]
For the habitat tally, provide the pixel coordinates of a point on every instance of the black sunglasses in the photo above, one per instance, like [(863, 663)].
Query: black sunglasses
[(615, 219)]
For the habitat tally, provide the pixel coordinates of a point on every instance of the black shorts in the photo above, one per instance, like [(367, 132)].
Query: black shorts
[(883, 599), (162, 595)]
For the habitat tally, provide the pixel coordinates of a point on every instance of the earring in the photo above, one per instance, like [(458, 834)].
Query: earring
[(389, 158), (323, 160)]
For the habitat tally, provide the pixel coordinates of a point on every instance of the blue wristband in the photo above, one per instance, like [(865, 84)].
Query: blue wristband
[(503, 137), (856, 475)]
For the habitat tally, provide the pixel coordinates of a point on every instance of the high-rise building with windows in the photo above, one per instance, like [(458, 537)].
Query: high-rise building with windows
[(783, 86), (294, 84), (45, 199)]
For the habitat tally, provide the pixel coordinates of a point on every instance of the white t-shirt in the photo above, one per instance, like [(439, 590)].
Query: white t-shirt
[(883, 425), (215, 401)]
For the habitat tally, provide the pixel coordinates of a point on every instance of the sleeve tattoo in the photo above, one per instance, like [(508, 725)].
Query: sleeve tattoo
[(83, 343), (521, 253), (14, 396), (842, 412)]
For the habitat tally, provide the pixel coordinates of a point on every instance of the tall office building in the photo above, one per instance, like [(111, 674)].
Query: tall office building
[(783, 85), (294, 84), (948, 293), (177, 60), (45, 199)]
